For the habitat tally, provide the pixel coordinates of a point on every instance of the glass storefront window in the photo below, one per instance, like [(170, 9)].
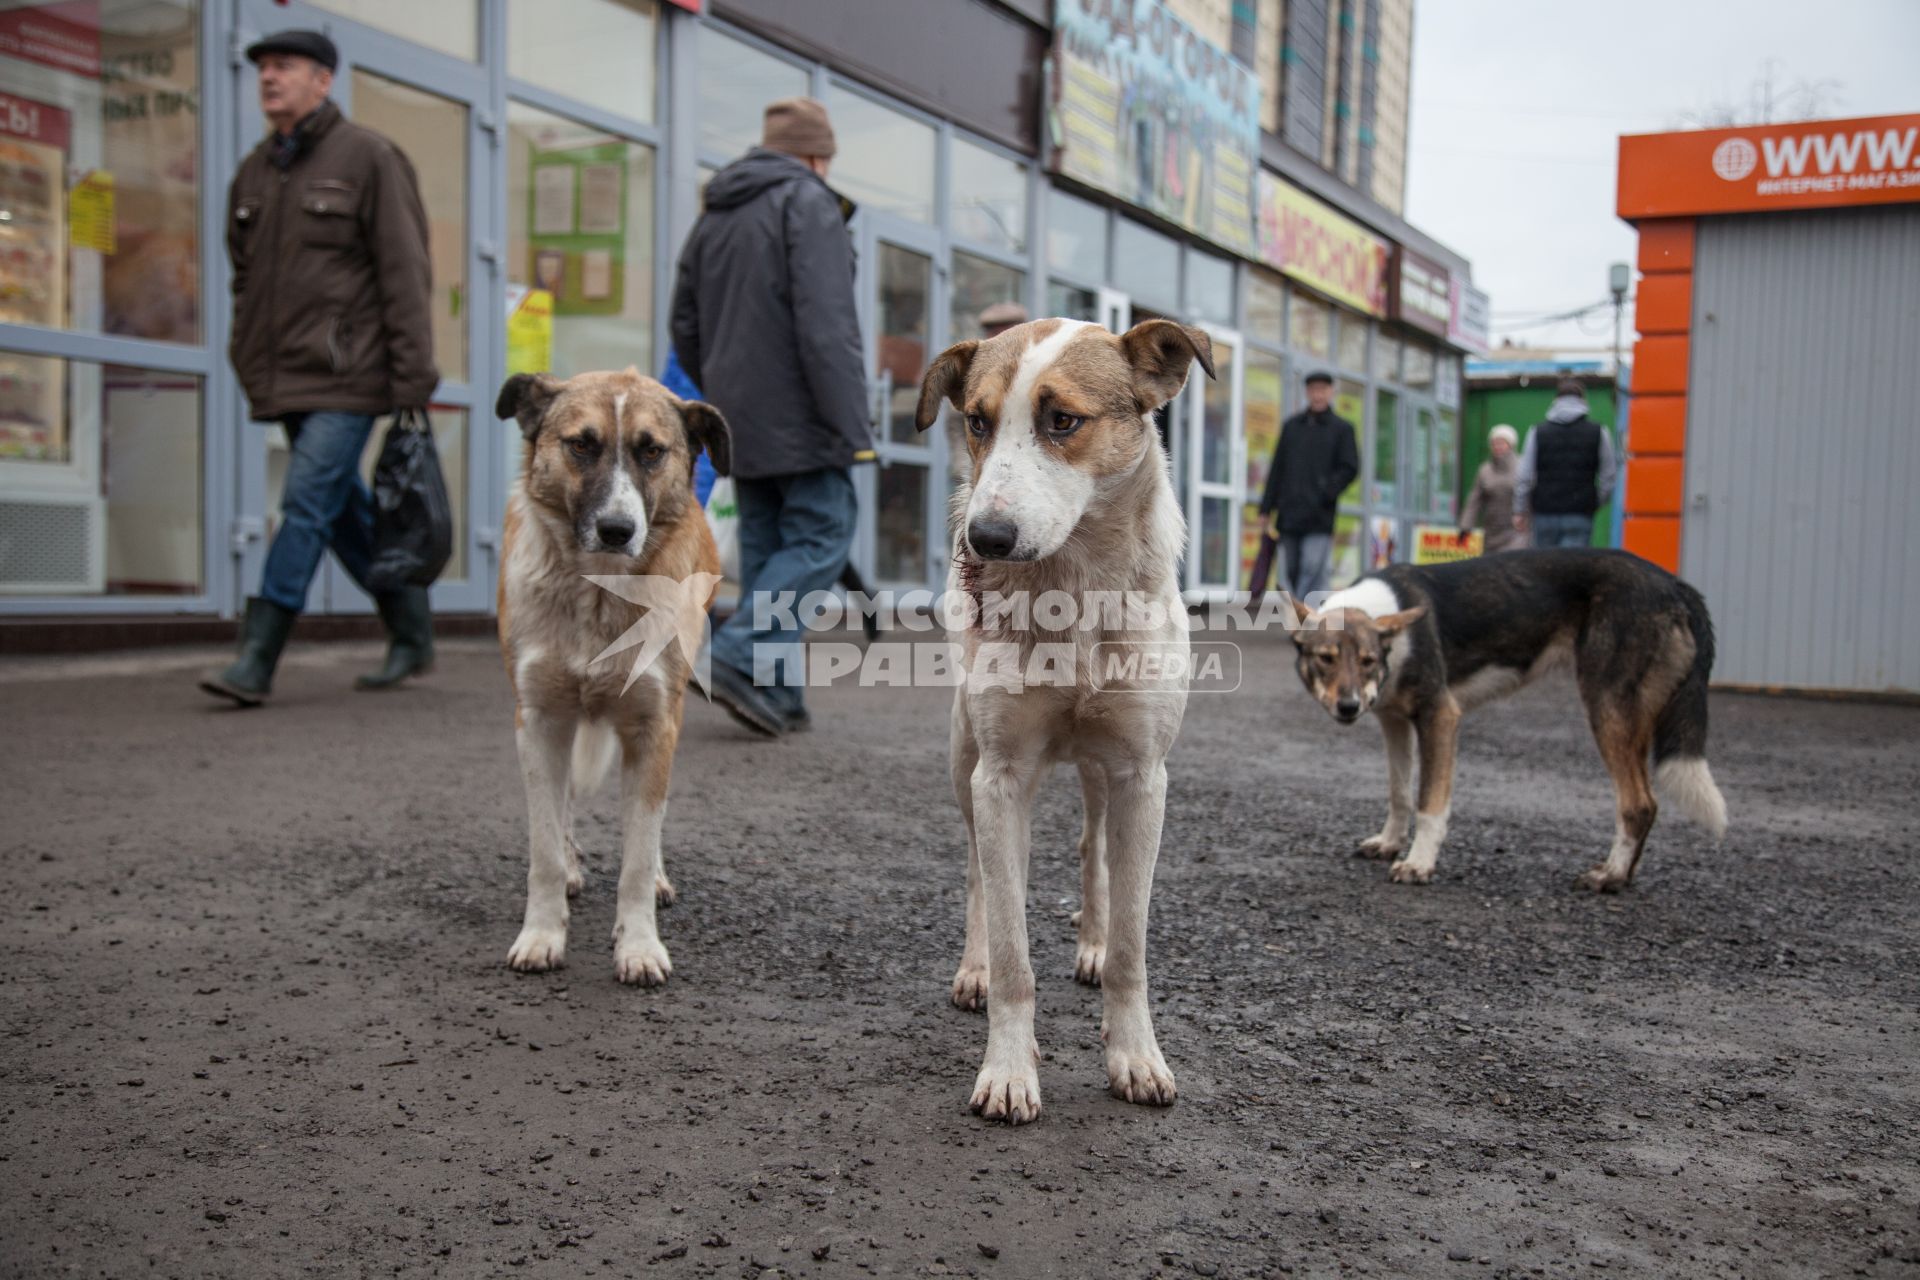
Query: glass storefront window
[(451, 26), (580, 213), (736, 82), (1216, 550), (1076, 236), (1419, 460), (432, 131), (906, 315), (599, 51), (885, 159), (1446, 464), (1353, 341), (1216, 424), (100, 173), (1210, 288), (1346, 550), (1312, 327), (1350, 402), (900, 553), (1266, 309), (1386, 357), (989, 198), (100, 470), (1264, 409), (1386, 439), (977, 285), (1074, 304), (1417, 368), (1146, 265)]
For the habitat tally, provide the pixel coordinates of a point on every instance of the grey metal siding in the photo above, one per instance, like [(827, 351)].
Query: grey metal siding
[(1802, 460)]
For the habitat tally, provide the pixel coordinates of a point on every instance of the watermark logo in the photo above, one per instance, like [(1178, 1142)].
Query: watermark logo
[(676, 611), (1105, 641)]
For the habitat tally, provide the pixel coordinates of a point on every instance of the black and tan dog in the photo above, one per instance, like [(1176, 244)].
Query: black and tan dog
[(605, 489), (1421, 646)]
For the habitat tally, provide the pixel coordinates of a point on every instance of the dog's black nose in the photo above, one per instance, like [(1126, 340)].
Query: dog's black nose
[(615, 532), (1348, 708), (992, 539)]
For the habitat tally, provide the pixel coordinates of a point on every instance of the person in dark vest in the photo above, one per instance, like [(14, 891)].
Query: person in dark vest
[(1566, 473), (1313, 463)]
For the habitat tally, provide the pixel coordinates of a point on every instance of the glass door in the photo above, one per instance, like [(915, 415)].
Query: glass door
[(1216, 464), (902, 543), (433, 106)]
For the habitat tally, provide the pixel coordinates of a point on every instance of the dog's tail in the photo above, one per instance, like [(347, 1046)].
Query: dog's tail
[(594, 747), (1680, 773)]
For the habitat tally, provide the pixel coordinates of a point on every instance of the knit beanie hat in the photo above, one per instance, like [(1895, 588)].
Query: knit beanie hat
[(798, 127)]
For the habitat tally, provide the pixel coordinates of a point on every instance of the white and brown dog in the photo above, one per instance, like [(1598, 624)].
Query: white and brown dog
[(606, 488), (1069, 493)]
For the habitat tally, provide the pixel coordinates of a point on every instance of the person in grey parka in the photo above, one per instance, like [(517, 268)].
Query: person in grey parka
[(764, 322)]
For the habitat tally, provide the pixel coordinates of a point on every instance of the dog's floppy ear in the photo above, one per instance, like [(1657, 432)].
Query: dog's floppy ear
[(1160, 352), (1301, 612), (1394, 623), (709, 431), (944, 381), (525, 396)]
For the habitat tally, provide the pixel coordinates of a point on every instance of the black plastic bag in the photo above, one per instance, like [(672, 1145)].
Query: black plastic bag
[(412, 515)]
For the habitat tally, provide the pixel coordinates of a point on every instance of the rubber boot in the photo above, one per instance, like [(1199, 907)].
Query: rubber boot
[(409, 619), (263, 634)]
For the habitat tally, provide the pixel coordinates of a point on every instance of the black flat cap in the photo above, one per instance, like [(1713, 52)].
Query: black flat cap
[(1319, 375), (308, 44)]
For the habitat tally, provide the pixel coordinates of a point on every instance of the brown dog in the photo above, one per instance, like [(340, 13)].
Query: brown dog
[(606, 488)]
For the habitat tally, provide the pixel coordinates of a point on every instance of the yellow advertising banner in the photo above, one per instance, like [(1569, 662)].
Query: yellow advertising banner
[(529, 330), (1442, 544), (1320, 247)]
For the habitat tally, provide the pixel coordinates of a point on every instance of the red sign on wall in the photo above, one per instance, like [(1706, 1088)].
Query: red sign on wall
[(34, 121), (64, 36)]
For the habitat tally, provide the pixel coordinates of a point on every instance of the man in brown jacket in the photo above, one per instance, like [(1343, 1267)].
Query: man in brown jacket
[(331, 327)]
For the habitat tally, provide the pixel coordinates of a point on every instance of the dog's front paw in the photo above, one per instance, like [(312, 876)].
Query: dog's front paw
[(663, 892), (1010, 1094), (1088, 961), (537, 950), (970, 987), (642, 964), (1601, 879), (1140, 1077), (1380, 846), (1405, 871)]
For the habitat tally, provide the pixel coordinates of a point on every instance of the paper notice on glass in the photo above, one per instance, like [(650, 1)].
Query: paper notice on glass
[(596, 273), (599, 199), (553, 200), (90, 212)]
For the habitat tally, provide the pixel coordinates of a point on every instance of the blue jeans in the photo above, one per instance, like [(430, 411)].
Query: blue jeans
[(1305, 561), (324, 503), (795, 532), (1562, 531)]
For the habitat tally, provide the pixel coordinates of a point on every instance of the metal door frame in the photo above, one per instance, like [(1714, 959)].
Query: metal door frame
[(472, 85)]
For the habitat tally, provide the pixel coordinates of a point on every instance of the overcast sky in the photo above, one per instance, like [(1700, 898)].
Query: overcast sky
[(1518, 105)]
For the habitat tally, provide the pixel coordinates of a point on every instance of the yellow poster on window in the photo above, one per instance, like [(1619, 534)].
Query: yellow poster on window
[(90, 212), (529, 330)]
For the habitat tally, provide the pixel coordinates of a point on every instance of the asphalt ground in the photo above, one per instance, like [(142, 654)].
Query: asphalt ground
[(258, 1022)]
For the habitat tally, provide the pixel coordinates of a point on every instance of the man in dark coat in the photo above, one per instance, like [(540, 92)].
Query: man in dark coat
[(764, 321), (1313, 463), (332, 326), (1566, 472)]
